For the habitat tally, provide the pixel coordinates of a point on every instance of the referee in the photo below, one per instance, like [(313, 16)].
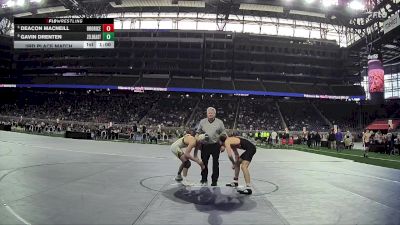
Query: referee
[(213, 128)]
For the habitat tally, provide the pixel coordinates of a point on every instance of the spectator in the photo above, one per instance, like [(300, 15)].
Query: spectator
[(309, 139), (317, 140), (339, 139), (274, 135), (348, 142), (332, 139)]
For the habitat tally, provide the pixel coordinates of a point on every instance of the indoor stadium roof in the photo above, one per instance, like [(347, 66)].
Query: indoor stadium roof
[(366, 20), (341, 12)]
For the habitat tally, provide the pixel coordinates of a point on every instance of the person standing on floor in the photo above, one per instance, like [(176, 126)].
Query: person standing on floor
[(212, 127)]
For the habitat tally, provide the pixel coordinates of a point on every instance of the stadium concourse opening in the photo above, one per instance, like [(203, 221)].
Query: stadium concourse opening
[(199, 112)]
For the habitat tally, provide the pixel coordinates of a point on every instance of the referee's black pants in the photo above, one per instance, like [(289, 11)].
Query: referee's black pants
[(206, 151)]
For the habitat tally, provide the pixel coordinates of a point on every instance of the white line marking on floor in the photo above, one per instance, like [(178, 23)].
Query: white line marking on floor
[(16, 214), (95, 153), (344, 189)]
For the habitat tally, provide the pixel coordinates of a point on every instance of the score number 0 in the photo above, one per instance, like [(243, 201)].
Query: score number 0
[(108, 27)]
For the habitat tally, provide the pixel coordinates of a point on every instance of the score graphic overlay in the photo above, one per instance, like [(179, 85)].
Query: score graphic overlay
[(65, 33)]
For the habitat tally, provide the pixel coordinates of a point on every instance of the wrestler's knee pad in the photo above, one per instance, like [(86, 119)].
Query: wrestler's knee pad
[(187, 164)]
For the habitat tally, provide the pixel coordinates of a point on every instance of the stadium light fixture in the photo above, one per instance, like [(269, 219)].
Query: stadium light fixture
[(329, 3), (356, 5), (10, 3), (287, 2), (20, 2)]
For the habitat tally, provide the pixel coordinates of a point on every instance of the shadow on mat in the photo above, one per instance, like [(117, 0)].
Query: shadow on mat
[(211, 200)]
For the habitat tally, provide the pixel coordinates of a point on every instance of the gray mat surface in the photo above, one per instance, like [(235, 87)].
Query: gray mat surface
[(47, 180)]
